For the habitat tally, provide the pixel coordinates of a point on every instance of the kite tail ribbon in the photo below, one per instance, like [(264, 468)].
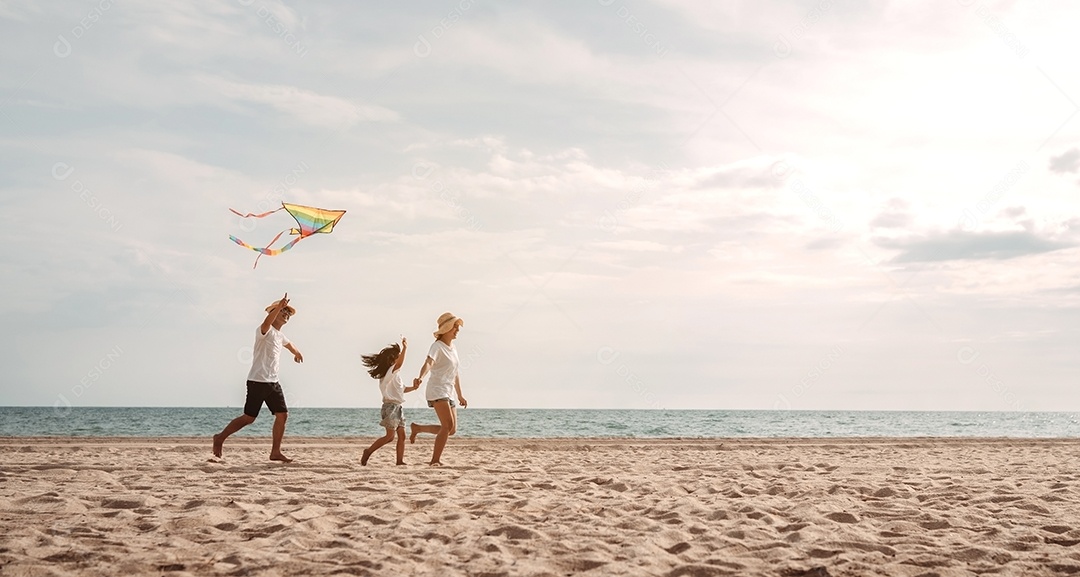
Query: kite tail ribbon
[(266, 250), (253, 215)]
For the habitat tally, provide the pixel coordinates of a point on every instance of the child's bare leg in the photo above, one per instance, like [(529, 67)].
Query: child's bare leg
[(389, 436), (278, 432), (401, 445), (233, 426), (447, 427), (415, 430)]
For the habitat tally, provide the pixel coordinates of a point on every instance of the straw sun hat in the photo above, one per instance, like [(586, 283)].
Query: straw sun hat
[(288, 308), (446, 322)]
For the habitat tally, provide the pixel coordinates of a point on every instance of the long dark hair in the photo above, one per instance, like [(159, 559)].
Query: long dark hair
[(379, 363)]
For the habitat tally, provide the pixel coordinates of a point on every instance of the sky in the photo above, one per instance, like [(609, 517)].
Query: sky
[(652, 205)]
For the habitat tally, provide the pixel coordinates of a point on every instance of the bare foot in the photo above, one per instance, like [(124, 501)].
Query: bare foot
[(280, 457), (401, 463), (218, 442), (365, 457), (412, 433), (435, 464)]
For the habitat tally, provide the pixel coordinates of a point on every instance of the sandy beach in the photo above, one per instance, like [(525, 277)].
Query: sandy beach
[(542, 507)]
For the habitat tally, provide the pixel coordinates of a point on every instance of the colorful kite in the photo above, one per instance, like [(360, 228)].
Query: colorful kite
[(310, 219)]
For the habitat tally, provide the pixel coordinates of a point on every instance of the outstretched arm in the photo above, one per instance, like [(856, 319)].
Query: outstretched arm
[(423, 371), (296, 353), (401, 357), (401, 361)]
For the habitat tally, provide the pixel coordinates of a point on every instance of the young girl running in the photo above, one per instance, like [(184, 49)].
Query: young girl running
[(384, 366)]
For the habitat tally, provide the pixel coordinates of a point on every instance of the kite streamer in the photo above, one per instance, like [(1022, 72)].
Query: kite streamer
[(309, 219)]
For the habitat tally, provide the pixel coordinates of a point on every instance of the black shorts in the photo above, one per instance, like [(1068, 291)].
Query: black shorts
[(259, 393)]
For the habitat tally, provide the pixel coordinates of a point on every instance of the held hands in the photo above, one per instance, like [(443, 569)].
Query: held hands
[(416, 383)]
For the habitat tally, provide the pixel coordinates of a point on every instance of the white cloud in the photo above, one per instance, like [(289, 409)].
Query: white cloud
[(1066, 162), (304, 105), (528, 53)]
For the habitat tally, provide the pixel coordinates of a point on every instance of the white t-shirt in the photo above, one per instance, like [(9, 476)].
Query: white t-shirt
[(443, 372), (266, 355), (393, 390)]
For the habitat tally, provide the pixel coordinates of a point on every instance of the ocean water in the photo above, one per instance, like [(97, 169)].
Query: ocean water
[(541, 423)]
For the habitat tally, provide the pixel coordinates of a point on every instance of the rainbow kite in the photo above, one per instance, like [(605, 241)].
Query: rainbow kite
[(311, 220)]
